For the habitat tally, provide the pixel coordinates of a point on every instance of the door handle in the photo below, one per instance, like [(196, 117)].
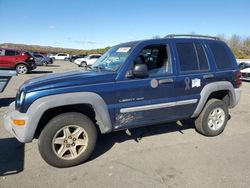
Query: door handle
[(208, 76), (166, 81)]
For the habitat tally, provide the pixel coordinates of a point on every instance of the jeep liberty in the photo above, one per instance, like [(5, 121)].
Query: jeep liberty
[(133, 84)]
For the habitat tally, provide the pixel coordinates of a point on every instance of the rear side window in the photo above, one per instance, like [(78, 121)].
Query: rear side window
[(62, 55), (192, 57), (36, 55), (94, 57), (10, 52), (187, 56), (221, 55)]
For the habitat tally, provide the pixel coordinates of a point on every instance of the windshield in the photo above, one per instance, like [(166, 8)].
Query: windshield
[(113, 58), (86, 57)]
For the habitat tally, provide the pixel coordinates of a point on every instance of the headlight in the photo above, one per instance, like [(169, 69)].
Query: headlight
[(22, 96), (20, 99)]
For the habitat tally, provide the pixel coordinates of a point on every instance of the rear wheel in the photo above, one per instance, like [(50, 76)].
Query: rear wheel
[(213, 118), (22, 69), (67, 140)]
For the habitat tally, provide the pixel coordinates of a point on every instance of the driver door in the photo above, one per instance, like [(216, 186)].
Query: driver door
[(147, 100)]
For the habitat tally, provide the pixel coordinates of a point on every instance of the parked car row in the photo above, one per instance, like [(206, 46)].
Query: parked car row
[(22, 61)]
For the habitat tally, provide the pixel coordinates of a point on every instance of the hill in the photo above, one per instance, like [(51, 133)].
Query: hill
[(50, 49)]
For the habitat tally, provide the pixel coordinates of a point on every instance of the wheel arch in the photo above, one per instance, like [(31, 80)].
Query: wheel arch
[(222, 90), (88, 103), (22, 62), (85, 109)]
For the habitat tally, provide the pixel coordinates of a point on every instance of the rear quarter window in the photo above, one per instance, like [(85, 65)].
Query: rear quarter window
[(221, 55)]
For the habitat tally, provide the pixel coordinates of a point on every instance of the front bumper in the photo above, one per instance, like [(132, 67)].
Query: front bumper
[(245, 78), (77, 62), (33, 66), (20, 132)]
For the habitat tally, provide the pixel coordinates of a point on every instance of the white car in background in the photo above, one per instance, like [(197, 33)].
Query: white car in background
[(87, 60), (60, 56), (245, 74), (244, 67)]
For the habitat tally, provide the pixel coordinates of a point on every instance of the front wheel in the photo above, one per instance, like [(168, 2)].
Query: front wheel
[(67, 140), (213, 118)]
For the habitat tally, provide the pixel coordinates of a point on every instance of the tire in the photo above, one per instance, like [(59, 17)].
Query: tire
[(53, 59), (83, 64), (213, 118), (22, 69), (67, 152), (45, 63)]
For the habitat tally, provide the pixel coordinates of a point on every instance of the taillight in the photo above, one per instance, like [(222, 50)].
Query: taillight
[(238, 80)]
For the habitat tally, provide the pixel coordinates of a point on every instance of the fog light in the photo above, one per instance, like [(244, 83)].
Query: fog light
[(18, 122)]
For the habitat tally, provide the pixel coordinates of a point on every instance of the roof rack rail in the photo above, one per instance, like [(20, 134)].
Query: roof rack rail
[(191, 36)]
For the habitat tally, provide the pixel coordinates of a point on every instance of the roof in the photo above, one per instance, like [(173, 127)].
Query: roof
[(172, 37)]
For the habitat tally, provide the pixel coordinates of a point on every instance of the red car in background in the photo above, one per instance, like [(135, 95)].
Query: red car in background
[(21, 61)]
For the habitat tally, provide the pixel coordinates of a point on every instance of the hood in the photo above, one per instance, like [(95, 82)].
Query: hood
[(67, 79)]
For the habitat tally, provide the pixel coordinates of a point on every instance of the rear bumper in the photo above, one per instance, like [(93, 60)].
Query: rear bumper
[(236, 98)]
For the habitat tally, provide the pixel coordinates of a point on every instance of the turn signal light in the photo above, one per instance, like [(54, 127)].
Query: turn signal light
[(18, 122)]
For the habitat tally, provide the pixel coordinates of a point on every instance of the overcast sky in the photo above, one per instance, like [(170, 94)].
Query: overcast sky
[(87, 24)]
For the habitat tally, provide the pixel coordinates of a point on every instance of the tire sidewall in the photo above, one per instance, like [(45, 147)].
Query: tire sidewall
[(27, 70), (57, 123), (83, 64), (216, 104)]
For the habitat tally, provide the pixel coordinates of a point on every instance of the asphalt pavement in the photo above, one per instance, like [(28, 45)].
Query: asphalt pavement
[(166, 155)]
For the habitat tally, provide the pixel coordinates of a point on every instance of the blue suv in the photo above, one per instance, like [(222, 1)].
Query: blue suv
[(133, 84)]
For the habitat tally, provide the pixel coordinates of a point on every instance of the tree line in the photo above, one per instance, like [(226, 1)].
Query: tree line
[(53, 50), (239, 45)]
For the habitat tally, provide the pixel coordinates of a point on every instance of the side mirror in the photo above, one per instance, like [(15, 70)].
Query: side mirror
[(140, 70)]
